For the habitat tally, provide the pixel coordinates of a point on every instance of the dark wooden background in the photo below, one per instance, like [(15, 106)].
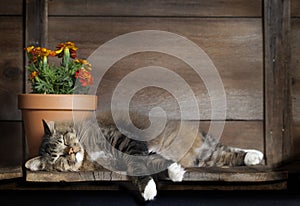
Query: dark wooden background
[(231, 32)]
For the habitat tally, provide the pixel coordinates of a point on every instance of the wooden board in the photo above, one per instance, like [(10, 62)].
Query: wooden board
[(11, 152), (12, 7), (239, 174), (296, 141), (155, 8), (241, 134), (278, 115), (234, 45), (295, 8), (295, 66), (10, 172), (11, 83)]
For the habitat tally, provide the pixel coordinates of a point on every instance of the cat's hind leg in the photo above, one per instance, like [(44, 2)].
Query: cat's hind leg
[(252, 157)]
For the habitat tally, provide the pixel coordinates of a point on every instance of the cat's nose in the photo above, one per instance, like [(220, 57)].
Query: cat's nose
[(71, 151)]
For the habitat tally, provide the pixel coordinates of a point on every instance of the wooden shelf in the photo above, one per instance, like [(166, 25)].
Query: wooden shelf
[(10, 172), (238, 174)]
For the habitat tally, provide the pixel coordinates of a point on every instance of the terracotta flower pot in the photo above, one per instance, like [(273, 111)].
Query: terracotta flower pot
[(36, 107)]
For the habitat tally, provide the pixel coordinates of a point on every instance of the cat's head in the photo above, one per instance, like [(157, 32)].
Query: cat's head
[(60, 149)]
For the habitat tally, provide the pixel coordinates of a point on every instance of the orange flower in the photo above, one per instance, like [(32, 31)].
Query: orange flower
[(33, 75), (68, 46), (85, 63), (85, 77), (38, 52)]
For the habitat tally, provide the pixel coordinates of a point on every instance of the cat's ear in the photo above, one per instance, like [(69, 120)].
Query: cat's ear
[(48, 127), (35, 164)]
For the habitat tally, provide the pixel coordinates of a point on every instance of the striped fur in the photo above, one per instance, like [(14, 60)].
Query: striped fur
[(89, 145)]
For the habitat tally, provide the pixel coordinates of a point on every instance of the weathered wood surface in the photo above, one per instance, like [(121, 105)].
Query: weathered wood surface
[(11, 152), (295, 67), (241, 134), (12, 7), (239, 174), (234, 46), (11, 66), (295, 8), (36, 27), (10, 172), (296, 141), (277, 81), (156, 8), (295, 76)]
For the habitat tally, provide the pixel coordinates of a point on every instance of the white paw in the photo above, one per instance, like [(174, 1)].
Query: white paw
[(79, 156), (253, 157), (150, 191), (176, 172)]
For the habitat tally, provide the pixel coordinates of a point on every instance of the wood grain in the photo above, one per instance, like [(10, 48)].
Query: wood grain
[(12, 7), (11, 141), (295, 67), (11, 80), (277, 81), (242, 174), (295, 8), (36, 27), (10, 172), (234, 46), (296, 140), (241, 134), (155, 8)]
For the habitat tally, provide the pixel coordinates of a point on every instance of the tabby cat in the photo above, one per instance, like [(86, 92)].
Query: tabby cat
[(69, 147)]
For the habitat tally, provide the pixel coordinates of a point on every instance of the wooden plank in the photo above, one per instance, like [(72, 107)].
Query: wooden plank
[(12, 7), (295, 8), (295, 67), (241, 134), (10, 172), (161, 186), (242, 174), (296, 141), (234, 45), (155, 8), (277, 85), (295, 76), (239, 186), (36, 27), (11, 69), (36, 22), (11, 143)]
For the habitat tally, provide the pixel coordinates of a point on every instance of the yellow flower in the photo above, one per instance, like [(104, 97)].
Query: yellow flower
[(29, 49)]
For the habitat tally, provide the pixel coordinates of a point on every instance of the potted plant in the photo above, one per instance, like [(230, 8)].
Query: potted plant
[(59, 92)]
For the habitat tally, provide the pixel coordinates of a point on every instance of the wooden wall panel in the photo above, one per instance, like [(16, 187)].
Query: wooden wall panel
[(11, 7), (295, 66), (234, 45), (241, 134), (11, 144), (295, 8), (11, 70), (277, 81), (155, 8)]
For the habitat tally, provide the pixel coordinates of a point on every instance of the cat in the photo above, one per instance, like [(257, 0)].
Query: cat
[(68, 146)]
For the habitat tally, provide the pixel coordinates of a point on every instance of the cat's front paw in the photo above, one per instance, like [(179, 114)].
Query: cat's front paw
[(253, 157), (150, 190), (176, 172)]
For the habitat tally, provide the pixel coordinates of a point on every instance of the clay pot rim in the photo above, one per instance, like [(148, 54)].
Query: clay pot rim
[(57, 102)]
